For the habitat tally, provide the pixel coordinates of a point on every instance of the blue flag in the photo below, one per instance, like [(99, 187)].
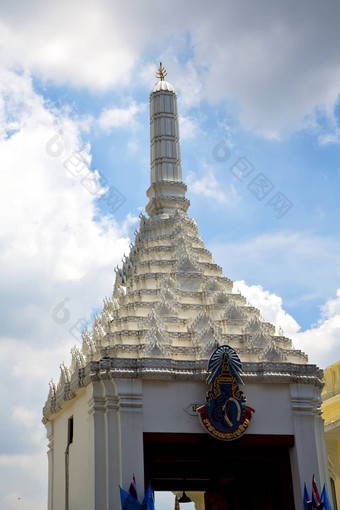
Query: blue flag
[(307, 503), (325, 499), (128, 502), (148, 501)]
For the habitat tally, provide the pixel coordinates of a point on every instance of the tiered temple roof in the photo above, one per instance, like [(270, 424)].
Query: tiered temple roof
[(171, 305)]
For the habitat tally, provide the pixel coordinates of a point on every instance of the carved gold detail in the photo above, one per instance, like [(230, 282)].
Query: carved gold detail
[(161, 72)]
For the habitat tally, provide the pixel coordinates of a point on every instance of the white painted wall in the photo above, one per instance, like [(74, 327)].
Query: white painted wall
[(164, 403), (110, 418), (80, 456)]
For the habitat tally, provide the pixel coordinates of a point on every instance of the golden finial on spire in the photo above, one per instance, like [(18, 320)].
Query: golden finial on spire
[(161, 72)]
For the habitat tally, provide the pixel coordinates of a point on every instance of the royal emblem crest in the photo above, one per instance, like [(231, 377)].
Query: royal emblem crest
[(225, 415)]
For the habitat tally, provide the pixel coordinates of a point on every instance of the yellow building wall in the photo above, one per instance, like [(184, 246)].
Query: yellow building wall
[(331, 415)]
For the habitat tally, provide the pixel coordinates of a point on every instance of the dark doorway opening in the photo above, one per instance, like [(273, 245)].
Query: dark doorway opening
[(251, 473)]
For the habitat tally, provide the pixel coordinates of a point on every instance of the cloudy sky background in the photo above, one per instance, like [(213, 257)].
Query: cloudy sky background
[(258, 81)]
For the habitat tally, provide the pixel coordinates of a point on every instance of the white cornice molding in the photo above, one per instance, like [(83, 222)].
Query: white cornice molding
[(169, 369)]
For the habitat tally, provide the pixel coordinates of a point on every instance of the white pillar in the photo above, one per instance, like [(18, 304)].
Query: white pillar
[(131, 422), (113, 450), (97, 411), (308, 456), (50, 456)]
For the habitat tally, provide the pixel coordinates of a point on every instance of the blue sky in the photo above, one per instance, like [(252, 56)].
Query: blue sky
[(258, 87)]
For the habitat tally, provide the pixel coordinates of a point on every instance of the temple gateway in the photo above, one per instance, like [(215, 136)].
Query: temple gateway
[(134, 398)]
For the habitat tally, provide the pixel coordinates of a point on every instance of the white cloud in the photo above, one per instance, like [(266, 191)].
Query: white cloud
[(188, 78), (190, 127), (25, 415), (54, 194), (16, 501), (29, 420), (73, 42), (278, 61), (321, 342), (119, 117), (331, 307), (208, 186), (291, 259), (330, 138), (284, 258), (53, 246), (19, 474), (323, 339), (279, 66), (270, 306)]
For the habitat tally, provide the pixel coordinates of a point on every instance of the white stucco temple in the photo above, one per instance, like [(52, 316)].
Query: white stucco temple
[(128, 402)]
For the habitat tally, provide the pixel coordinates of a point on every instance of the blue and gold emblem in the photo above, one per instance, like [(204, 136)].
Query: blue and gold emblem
[(225, 415)]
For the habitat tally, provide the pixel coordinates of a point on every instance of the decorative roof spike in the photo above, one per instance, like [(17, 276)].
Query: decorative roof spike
[(161, 72), (53, 388)]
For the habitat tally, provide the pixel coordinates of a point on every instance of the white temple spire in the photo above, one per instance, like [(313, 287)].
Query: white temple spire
[(167, 190)]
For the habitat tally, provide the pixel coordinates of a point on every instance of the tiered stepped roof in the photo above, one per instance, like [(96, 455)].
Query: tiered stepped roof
[(171, 305)]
